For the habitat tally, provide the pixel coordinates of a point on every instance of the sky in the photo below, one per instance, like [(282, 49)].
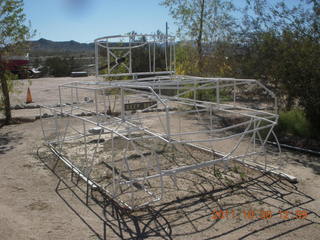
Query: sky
[(85, 20)]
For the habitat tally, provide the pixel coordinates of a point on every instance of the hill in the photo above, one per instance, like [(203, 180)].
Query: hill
[(43, 47)]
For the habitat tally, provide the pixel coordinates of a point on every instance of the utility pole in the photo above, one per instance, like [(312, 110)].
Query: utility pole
[(166, 46), (167, 28)]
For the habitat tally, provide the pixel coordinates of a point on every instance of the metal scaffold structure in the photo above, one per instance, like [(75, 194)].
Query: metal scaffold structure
[(130, 138), (121, 55)]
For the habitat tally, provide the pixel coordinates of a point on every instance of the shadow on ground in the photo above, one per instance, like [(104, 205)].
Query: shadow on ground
[(8, 141), (297, 158), (257, 206)]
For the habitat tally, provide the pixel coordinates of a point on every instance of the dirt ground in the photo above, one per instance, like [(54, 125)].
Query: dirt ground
[(233, 204)]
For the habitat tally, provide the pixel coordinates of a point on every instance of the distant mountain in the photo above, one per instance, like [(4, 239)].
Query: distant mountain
[(44, 46)]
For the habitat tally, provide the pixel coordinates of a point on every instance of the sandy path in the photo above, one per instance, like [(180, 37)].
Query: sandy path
[(43, 90)]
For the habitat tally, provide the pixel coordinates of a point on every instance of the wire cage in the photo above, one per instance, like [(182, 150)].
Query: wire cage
[(131, 138), (135, 55)]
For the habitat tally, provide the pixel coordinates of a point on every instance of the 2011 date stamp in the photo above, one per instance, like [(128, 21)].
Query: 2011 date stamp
[(253, 214)]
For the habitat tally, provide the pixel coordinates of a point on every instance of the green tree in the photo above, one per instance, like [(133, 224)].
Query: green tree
[(301, 17), (186, 54), (204, 21), (14, 33), (274, 41), (282, 45), (61, 67)]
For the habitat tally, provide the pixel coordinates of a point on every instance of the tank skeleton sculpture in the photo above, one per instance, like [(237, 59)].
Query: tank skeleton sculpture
[(130, 137)]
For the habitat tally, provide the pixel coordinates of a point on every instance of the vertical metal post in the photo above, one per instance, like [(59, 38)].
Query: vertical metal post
[(77, 94), (114, 190), (217, 93), (96, 52), (166, 46), (159, 86), (60, 100), (154, 54), (57, 128), (85, 143), (56, 119), (174, 55), (104, 105), (168, 123), (72, 99), (178, 87), (165, 57), (108, 56), (234, 93), (130, 57), (149, 57), (194, 90), (96, 104), (42, 127), (170, 57), (122, 105)]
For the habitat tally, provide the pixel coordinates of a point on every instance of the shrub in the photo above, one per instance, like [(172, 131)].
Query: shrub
[(294, 122)]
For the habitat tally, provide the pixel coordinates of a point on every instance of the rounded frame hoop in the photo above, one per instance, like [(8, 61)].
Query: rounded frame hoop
[(119, 54)]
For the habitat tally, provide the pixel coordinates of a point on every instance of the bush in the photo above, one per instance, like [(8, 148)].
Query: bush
[(60, 67), (294, 122)]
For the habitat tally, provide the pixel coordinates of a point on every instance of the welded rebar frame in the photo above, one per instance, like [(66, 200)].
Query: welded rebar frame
[(128, 43), (174, 96)]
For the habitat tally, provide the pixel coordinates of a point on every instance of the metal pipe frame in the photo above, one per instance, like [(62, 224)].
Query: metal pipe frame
[(127, 43), (71, 126), (125, 125)]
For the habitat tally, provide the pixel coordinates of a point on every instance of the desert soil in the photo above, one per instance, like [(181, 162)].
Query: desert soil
[(34, 204)]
